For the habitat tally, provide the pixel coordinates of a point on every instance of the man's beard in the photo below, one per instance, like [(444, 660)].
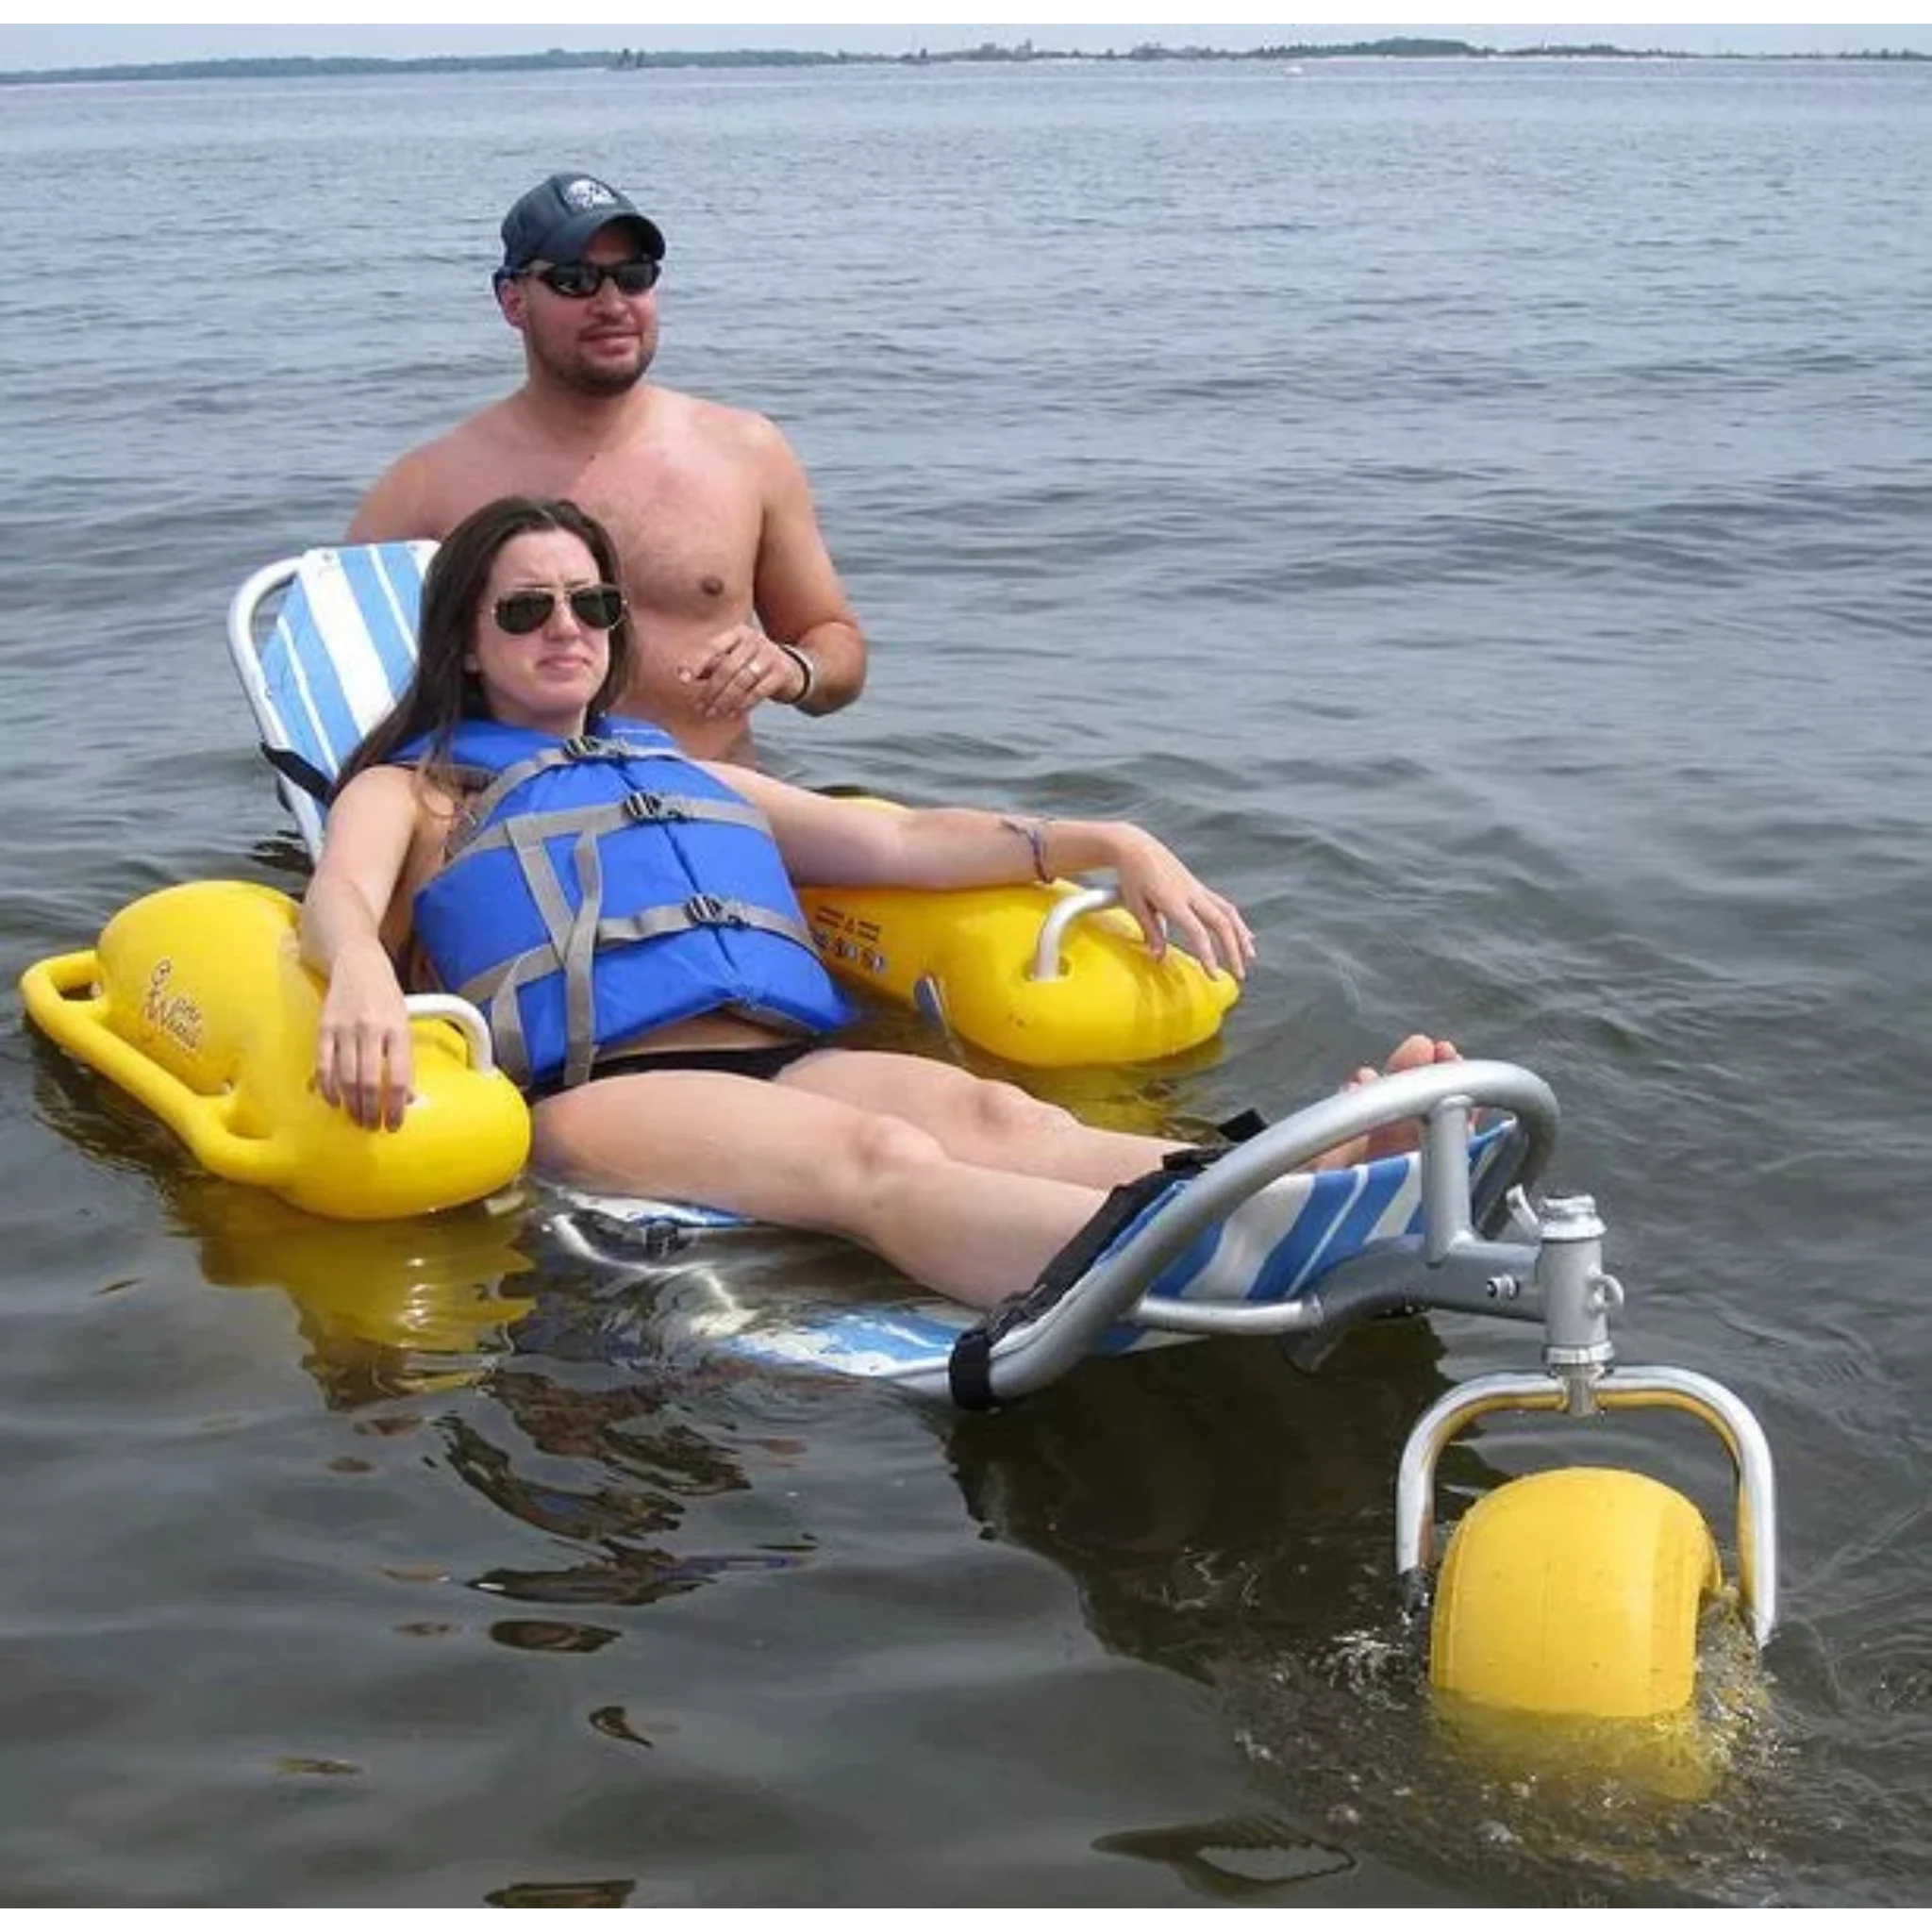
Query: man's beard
[(596, 379)]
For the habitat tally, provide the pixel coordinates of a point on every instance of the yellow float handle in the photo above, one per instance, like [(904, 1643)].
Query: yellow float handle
[(1064, 910), (464, 1018)]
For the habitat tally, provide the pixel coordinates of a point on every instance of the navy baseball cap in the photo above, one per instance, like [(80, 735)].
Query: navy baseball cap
[(555, 221)]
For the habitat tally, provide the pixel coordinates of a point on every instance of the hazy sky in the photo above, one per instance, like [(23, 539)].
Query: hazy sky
[(90, 46)]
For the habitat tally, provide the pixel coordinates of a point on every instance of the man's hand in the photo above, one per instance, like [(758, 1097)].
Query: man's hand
[(743, 669)]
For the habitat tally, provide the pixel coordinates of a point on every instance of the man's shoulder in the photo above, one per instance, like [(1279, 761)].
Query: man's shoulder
[(724, 424), (429, 489), (491, 427)]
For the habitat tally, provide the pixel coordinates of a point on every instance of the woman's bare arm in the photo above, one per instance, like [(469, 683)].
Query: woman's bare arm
[(363, 1058), (844, 841)]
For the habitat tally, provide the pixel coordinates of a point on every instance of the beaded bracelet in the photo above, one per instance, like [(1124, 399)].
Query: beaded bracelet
[(806, 670), (1034, 832)]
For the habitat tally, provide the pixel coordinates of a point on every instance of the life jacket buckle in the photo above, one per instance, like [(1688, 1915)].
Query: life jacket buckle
[(653, 808), (586, 745), (706, 909)]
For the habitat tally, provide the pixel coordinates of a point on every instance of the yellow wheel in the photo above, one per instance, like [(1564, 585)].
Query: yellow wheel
[(1575, 1592)]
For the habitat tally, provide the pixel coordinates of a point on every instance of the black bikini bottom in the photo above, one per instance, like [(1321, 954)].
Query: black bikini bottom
[(754, 1062)]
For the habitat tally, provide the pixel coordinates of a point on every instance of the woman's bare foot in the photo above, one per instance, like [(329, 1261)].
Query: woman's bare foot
[(1399, 1136)]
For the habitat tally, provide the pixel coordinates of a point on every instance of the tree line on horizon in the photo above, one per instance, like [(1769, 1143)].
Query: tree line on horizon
[(295, 66)]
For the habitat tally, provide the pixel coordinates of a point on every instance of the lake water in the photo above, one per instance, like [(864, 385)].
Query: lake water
[(1476, 513)]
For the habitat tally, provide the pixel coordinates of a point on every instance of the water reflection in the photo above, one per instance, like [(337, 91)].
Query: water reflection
[(1232, 1858), (1210, 1496), (384, 1309), (613, 1472)]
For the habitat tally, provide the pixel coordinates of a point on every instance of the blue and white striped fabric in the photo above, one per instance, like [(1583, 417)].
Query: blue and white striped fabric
[(341, 651), (1280, 1240)]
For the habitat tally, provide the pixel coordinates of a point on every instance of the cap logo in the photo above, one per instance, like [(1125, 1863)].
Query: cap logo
[(584, 193)]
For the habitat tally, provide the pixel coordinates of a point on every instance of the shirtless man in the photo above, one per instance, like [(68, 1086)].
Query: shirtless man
[(733, 598)]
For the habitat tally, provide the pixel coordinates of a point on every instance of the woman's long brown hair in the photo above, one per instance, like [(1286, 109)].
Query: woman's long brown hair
[(442, 693)]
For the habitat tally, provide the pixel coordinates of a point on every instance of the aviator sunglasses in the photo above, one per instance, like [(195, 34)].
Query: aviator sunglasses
[(596, 606), (580, 281)]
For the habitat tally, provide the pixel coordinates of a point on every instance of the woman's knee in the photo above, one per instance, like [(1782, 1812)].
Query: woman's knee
[(1005, 1113), (877, 1177), (887, 1152)]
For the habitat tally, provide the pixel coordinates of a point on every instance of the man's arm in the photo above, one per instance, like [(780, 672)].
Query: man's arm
[(797, 591), (835, 649), (396, 506)]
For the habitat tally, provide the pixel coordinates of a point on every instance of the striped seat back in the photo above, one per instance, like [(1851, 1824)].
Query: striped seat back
[(336, 658)]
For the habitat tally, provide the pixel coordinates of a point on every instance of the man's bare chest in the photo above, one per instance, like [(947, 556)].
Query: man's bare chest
[(688, 532)]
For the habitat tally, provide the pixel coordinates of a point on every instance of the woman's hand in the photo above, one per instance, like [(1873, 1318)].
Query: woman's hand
[(1166, 899), (363, 1049)]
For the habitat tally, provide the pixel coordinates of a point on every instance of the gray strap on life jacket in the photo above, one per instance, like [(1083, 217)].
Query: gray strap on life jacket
[(495, 992), (496, 989), (572, 751), (573, 936), (704, 908), (634, 808)]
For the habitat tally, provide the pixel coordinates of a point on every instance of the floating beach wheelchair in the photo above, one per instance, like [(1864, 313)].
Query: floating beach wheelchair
[(1578, 1592)]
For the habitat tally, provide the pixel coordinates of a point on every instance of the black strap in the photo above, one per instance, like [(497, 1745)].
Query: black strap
[(969, 1366), (298, 771), (1242, 1126)]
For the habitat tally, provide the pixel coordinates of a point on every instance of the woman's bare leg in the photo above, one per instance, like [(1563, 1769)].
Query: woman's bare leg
[(994, 1123), (776, 1152), (984, 1123), (970, 1186)]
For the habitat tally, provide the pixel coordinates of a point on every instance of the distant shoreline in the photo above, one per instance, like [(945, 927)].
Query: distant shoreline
[(625, 59)]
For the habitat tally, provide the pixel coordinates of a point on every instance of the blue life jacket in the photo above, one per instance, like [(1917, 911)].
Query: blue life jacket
[(599, 888)]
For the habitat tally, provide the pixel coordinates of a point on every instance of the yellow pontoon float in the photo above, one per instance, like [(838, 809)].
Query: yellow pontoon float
[(195, 1001)]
